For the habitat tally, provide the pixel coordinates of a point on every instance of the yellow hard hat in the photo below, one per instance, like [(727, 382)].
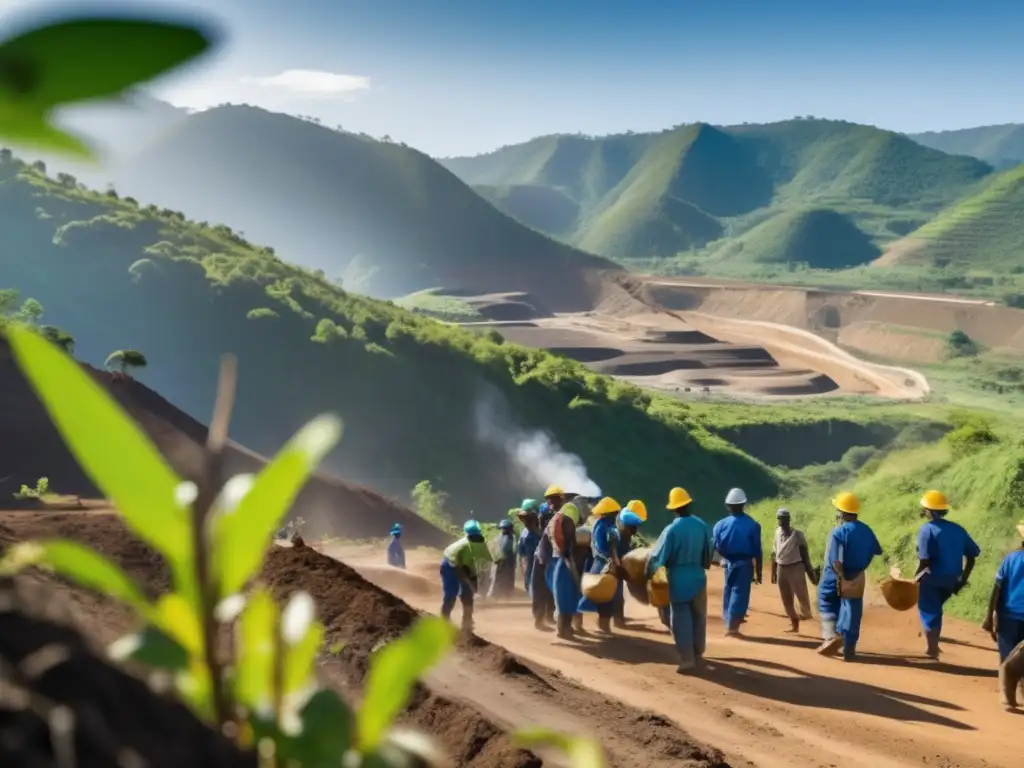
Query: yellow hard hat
[(606, 506), (677, 498), (571, 511), (846, 502), (638, 508), (935, 500), (553, 490)]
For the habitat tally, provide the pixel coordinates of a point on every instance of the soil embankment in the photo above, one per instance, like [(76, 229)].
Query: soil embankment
[(32, 448)]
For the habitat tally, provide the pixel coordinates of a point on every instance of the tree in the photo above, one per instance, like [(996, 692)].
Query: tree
[(122, 359), (40, 166), (960, 344), (6, 155), (31, 311), (60, 337)]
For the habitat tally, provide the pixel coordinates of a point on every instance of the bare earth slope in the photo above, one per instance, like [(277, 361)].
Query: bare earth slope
[(471, 725), (32, 448), (769, 699), (645, 333), (910, 327)]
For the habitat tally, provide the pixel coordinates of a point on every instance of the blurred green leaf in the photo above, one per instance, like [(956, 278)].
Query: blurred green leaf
[(581, 751), (33, 131), (324, 737), (79, 563), (242, 534), (255, 651), (300, 663), (394, 670), (111, 448), (177, 617), (152, 647), (92, 57), (194, 686)]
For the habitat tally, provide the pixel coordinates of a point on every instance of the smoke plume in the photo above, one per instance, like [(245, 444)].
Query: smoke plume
[(535, 456)]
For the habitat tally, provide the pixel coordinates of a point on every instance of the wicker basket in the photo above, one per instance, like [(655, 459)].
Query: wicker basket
[(657, 589), (599, 587), (900, 594), (635, 564)]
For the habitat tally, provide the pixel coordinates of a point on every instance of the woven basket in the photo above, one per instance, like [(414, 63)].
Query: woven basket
[(599, 587), (900, 594), (657, 589), (635, 564)]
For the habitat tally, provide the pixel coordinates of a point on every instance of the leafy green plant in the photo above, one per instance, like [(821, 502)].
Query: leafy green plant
[(214, 538), (121, 360), (81, 59), (582, 752), (41, 490)]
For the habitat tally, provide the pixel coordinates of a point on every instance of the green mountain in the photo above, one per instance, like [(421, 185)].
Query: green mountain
[(385, 219), (984, 231), (662, 194), (119, 275), (546, 209), (818, 237), (1002, 146)]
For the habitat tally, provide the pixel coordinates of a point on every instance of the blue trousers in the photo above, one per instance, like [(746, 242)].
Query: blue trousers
[(564, 587), (851, 612), (1009, 633), (930, 599), (739, 574), (689, 624), (453, 589)]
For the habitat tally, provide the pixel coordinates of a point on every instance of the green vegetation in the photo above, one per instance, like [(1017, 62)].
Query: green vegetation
[(979, 467), (819, 238), (80, 59), (1001, 146), (123, 360), (407, 384), (433, 303), (383, 218), (981, 235), (431, 505), (545, 209), (39, 491), (265, 689), (692, 191)]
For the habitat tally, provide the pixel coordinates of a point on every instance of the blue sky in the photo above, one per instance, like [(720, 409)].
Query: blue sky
[(466, 76)]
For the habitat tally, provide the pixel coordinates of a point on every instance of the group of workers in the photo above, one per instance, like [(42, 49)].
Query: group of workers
[(554, 550)]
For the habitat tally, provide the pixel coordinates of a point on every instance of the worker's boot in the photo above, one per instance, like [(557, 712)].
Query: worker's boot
[(564, 624), (604, 624), (932, 638), (832, 641), (577, 622)]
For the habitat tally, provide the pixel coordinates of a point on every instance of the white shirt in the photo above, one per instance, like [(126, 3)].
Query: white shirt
[(787, 548)]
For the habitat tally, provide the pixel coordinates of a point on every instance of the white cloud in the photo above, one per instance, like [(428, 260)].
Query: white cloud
[(315, 84)]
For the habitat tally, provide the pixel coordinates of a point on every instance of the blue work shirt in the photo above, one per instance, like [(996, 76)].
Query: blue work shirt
[(738, 537), (504, 546), (396, 555), (682, 549), (528, 541), (944, 544), (1010, 579), (604, 537), (853, 544)]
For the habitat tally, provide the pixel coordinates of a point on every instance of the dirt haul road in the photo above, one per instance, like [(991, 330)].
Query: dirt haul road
[(768, 699)]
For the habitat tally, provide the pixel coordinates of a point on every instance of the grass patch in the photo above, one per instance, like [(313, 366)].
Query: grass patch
[(434, 304)]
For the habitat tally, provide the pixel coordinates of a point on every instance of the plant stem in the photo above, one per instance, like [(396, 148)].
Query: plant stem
[(209, 486)]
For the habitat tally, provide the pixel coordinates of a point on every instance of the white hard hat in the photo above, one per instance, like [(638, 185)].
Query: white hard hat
[(736, 496)]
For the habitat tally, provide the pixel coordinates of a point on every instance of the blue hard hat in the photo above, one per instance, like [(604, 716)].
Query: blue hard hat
[(505, 524), (626, 517), (396, 529), (471, 527)]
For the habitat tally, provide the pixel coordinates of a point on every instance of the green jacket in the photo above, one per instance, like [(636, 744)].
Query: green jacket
[(468, 554)]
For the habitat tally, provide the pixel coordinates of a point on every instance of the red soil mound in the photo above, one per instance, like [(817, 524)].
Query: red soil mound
[(32, 448), (361, 616)]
